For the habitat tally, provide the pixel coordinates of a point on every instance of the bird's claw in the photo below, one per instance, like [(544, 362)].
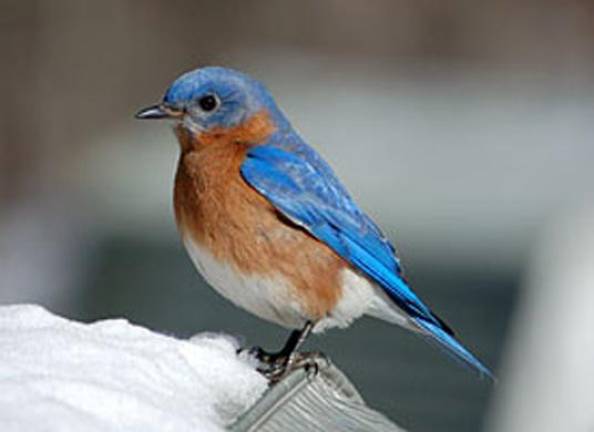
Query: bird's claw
[(310, 361), (262, 356), (281, 366), (257, 353)]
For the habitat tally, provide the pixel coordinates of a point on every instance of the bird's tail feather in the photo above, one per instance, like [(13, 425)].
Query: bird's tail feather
[(448, 343)]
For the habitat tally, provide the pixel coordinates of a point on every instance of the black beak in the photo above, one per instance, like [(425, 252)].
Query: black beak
[(156, 112)]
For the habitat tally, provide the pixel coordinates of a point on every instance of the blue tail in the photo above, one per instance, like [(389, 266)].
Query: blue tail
[(451, 346)]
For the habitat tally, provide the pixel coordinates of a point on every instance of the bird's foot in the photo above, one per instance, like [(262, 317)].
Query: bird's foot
[(264, 356), (310, 361), (276, 366), (272, 365)]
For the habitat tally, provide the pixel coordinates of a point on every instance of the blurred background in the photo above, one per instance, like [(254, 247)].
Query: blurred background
[(464, 127)]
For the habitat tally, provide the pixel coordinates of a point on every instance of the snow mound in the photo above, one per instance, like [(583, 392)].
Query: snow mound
[(57, 374)]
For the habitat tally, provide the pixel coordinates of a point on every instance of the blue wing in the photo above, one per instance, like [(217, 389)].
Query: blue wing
[(304, 189)]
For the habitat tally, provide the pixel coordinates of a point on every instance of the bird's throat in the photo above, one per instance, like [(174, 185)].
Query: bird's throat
[(252, 131)]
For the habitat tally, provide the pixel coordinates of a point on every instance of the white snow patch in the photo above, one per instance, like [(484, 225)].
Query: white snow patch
[(57, 374)]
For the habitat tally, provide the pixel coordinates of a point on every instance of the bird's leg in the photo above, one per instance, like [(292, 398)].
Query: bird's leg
[(295, 340), (280, 362)]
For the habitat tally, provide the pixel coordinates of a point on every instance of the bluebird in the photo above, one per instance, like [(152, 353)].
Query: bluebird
[(269, 225)]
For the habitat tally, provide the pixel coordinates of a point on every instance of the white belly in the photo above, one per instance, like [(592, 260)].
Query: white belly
[(274, 298), (270, 298)]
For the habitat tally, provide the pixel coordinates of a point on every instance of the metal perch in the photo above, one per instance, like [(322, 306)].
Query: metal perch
[(315, 398)]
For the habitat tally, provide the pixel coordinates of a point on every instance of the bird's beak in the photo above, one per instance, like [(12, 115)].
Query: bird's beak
[(158, 112)]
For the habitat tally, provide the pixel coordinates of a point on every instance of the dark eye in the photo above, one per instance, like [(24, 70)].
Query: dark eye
[(208, 102)]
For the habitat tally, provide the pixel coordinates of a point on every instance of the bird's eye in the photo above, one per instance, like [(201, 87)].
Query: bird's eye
[(208, 103)]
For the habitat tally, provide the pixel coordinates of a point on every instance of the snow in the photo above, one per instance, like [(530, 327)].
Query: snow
[(57, 374)]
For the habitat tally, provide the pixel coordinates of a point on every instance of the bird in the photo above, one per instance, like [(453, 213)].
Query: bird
[(269, 225)]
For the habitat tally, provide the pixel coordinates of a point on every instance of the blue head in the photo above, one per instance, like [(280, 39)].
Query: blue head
[(213, 97)]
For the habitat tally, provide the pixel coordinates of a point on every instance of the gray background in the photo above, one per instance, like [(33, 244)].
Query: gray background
[(463, 127)]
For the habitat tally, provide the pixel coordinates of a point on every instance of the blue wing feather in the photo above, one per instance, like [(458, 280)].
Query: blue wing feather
[(292, 183), (311, 200), (303, 187)]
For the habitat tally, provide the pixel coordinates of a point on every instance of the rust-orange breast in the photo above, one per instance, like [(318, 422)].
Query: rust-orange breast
[(222, 213)]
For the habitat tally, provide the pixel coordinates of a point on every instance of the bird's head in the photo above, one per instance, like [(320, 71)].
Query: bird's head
[(212, 100)]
